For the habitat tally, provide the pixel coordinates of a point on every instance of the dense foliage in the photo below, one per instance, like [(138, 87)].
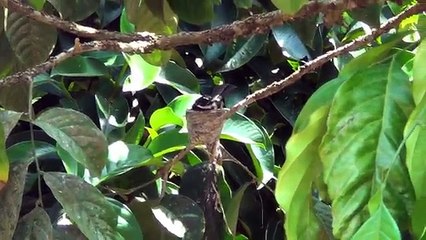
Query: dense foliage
[(336, 155)]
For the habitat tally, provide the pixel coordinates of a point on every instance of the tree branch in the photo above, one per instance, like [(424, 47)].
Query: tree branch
[(319, 61)]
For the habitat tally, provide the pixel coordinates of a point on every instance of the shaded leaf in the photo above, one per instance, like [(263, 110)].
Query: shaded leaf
[(290, 43), (75, 10), (127, 223), (4, 160), (34, 225), (179, 78), (241, 129), (193, 11), (85, 206), (246, 52), (233, 209), (9, 119), (135, 133), (31, 41), (79, 66), (19, 153), (76, 134)]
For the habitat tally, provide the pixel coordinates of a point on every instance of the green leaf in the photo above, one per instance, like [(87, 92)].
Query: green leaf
[(86, 206), (76, 134), (80, 67), (135, 133), (71, 165), (167, 142), (263, 158), (34, 225), (37, 4), (9, 119), (365, 129), (419, 73), (123, 157), (4, 160), (379, 226), (415, 133), (75, 10), (15, 95), (289, 7), (246, 52), (289, 42), (233, 209), (19, 153), (179, 78), (193, 11), (31, 40), (163, 117), (241, 129), (293, 191), (142, 74), (418, 218), (182, 103), (181, 216), (127, 225), (246, 4)]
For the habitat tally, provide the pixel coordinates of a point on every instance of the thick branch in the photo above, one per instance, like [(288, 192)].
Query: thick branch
[(319, 61)]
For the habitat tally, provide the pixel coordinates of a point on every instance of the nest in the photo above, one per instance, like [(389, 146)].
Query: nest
[(204, 127)]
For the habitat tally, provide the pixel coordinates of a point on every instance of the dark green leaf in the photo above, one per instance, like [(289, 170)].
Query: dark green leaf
[(76, 134), (135, 133), (75, 10), (241, 129), (127, 224), (35, 226), (290, 42), (179, 78), (232, 211), (80, 67), (193, 11), (19, 152), (9, 119), (86, 206)]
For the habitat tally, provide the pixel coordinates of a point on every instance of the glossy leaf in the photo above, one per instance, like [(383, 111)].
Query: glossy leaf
[(31, 41), (241, 129), (290, 43), (163, 117), (76, 134), (75, 10), (167, 142), (80, 67), (142, 73), (135, 133), (34, 225), (365, 128), (127, 223), (19, 153), (9, 119), (379, 226), (86, 206), (246, 52), (182, 103), (181, 216), (123, 157), (289, 7), (179, 78), (419, 73)]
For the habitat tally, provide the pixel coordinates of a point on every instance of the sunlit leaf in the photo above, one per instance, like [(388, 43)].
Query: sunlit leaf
[(163, 117), (4, 160), (419, 73), (142, 74), (365, 129)]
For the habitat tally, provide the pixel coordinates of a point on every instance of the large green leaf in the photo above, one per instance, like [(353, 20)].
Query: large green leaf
[(163, 117), (293, 191), (75, 10), (241, 129), (19, 153), (76, 134), (415, 133), (419, 73), (179, 78), (289, 42), (9, 119), (365, 129), (34, 225), (379, 226), (167, 142), (31, 41), (233, 208), (135, 133), (89, 209)]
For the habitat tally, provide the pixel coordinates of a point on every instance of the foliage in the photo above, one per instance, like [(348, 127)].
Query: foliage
[(337, 155)]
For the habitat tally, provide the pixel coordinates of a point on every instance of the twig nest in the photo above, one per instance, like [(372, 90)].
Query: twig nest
[(204, 127)]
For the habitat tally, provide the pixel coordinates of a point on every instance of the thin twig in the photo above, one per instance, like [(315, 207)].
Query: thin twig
[(319, 61)]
